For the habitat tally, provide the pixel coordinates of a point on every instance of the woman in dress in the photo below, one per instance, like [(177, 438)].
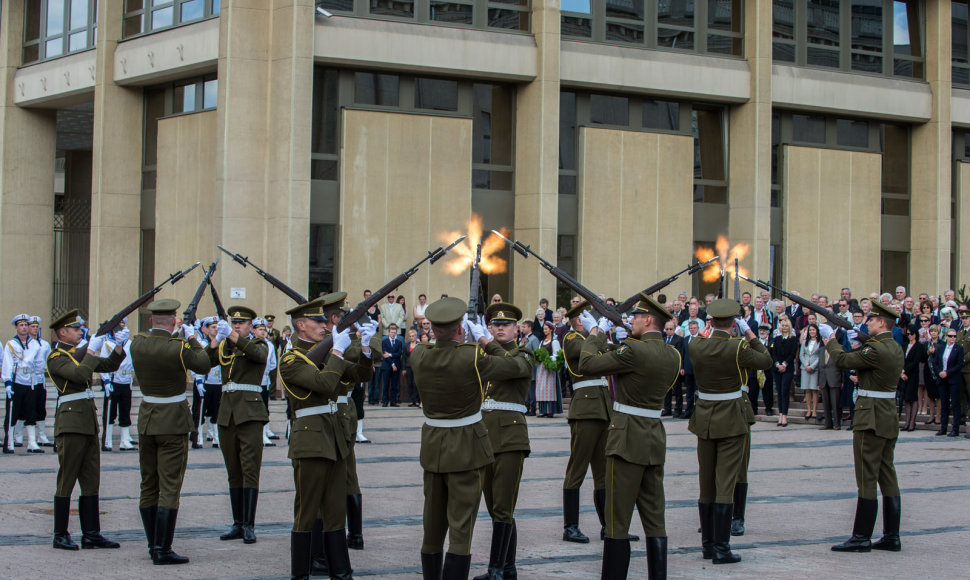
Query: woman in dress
[(547, 383), (909, 381), (930, 374), (808, 354), (784, 352)]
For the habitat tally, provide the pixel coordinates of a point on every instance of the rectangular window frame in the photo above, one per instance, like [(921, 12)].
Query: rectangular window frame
[(481, 13), (210, 9), (64, 35)]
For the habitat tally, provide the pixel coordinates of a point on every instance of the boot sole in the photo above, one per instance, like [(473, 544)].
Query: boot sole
[(576, 540)]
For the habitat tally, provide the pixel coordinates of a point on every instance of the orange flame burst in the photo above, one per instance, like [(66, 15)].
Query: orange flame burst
[(463, 255), (727, 255)]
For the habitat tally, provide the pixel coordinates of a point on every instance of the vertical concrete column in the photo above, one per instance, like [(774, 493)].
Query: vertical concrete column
[(27, 144), (931, 164), (749, 163), (537, 162), (116, 177)]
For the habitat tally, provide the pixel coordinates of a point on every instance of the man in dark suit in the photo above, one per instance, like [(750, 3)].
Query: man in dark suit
[(797, 315), (950, 362), (676, 394), (393, 348), (689, 382)]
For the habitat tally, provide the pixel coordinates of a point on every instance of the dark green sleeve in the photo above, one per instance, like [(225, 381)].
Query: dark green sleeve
[(596, 359), (297, 373), (494, 363), (254, 349), (62, 367), (104, 365), (755, 356), (194, 357), (862, 358)]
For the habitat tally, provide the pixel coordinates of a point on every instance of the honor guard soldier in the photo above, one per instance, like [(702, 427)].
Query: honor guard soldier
[(645, 368), (319, 440), (76, 429), (721, 420), (242, 415), (589, 419), (160, 361), (455, 449), (19, 364), (503, 413), (117, 392), (40, 389), (259, 331), (878, 364), (211, 387)]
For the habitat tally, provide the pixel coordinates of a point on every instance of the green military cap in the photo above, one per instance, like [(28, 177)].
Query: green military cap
[(270, 317), (241, 314), (724, 308), (577, 310), (335, 300), (69, 319), (648, 305), (164, 306), (502, 313), (312, 310), (446, 311), (879, 310)]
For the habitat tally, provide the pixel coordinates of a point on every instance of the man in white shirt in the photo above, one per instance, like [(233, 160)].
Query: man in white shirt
[(19, 363), (117, 391), (40, 374)]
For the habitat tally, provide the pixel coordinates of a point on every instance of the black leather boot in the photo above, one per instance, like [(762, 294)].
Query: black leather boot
[(722, 534), (235, 500), (318, 556), (740, 500), (599, 502), (300, 555), (148, 521), (164, 534), (616, 559), (338, 558), (355, 522), (570, 515), (250, 495), (865, 520), (510, 572), (501, 535), (891, 513), (456, 567), (706, 511), (62, 514), (431, 566), (657, 558), (91, 538)]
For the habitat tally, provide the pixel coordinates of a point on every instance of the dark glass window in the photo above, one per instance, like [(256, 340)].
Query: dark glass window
[(376, 89), (661, 115), (146, 16), (960, 48), (851, 133), (436, 94), (326, 110), (53, 28), (710, 155), (808, 128), (567, 130), (492, 106), (608, 110)]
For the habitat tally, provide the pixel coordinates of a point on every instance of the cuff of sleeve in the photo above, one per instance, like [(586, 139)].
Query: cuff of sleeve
[(8, 383)]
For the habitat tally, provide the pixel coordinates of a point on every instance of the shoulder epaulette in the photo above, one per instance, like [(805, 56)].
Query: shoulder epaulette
[(572, 334), (468, 344)]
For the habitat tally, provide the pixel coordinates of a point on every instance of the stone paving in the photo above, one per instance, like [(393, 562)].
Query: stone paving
[(802, 500)]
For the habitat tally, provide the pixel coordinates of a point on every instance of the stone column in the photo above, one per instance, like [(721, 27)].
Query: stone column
[(27, 146)]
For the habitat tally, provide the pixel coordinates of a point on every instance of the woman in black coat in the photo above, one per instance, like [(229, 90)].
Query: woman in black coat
[(931, 373), (784, 350), (909, 381)]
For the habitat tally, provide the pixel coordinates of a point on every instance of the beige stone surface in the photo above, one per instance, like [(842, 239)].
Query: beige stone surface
[(178, 52)]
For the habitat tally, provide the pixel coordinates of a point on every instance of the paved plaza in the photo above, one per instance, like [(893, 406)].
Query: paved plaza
[(802, 500)]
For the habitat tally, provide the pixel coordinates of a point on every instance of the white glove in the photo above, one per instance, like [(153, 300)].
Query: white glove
[(605, 324), (223, 329), (825, 331), (742, 325), (367, 332), (474, 329), (188, 331), (95, 344), (481, 322), (852, 334), (621, 333), (107, 388), (200, 387), (587, 320), (9, 391), (341, 340), (122, 336)]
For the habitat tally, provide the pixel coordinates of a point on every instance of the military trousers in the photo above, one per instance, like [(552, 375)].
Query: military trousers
[(321, 492), (21, 406), (501, 485), (718, 464), (587, 448), (451, 503), (630, 485), (40, 402), (119, 407), (874, 464), (197, 401), (242, 450), (79, 460), (162, 459), (210, 401), (353, 484), (745, 458)]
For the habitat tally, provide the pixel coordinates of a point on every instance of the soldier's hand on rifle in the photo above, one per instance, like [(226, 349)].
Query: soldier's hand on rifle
[(95, 344), (367, 332), (187, 331), (605, 325), (223, 330), (341, 341), (825, 331), (621, 333), (474, 329), (743, 327), (121, 337), (587, 320), (481, 322)]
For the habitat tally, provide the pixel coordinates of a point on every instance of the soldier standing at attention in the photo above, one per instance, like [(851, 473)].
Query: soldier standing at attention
[(503, 413), (164, 422), (455, 449), (117, 391), (76, 429), (242, 415), (19, 362), (875, 428), (260, 332), (645, 368), (721, 420), (40, 389), (211, 387)]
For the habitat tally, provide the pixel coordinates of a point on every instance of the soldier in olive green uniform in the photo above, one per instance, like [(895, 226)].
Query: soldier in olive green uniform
[(76, 429), (589, 419), (455, 449), (645, 369), (319, 438), (164, 422), (242, 414), (875, 429), (721, 421), (503, 413)]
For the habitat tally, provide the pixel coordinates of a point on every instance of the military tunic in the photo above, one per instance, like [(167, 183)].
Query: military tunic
[(875, 427), (589, 418), (76, 422), (161, 362)]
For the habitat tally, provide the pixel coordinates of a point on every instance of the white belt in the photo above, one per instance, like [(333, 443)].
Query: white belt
[(493, 405), (449, 423), (328, 409), (163, 400), (232, 387), (638, 411), (342, 400), (745, 388), (589, 383), (719, 396), (86, 394), (877, 394)]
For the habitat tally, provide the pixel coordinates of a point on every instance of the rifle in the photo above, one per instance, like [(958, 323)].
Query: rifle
[(188, 316), (322, 348), (473, 289), (113, 322), (220, 311), (808, 304), (689, 270), (594, 300), (273, 280)]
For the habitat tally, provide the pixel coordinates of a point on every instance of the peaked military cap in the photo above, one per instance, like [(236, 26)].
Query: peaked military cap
[(503, 313), (209, 320), (879, 310), (648, 305), (577, 310), (312, 310), (334, 300), (446, 311), (724, 308), (35, 320), (69, 319), (19, 318), (165, 306), (259, 322), (269, 317), (240, 314)]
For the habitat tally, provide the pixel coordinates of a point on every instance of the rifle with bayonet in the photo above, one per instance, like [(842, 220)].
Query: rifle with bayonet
[(319, 352), (474, 286), (112, 323), (594, 300), (689, 270), (273, 280), (220, 311), (189, 314)]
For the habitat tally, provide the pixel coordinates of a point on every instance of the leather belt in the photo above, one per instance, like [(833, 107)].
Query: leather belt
[(877, 394), (590, 383), (232, 387), (342, 400), (719, 396), (163, 400), (86, 394), (328, 409), (451, 423), (493, 405), (638, 411)]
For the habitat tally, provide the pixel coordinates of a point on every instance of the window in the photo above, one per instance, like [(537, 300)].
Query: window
[(504, 14), (54, 28), (961, 49), (143, 16), (708, 124)]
